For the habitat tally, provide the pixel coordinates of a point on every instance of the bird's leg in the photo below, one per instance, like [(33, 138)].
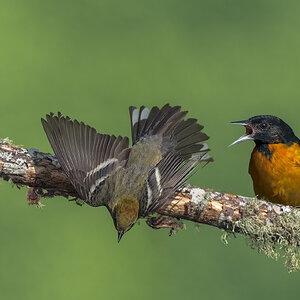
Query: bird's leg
[(164, 222), (33, 197), (77, 200)]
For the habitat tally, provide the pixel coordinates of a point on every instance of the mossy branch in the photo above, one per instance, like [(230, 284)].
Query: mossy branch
[(269, 227)]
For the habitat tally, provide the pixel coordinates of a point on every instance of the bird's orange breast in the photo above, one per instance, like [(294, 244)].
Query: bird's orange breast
[(277, 177)]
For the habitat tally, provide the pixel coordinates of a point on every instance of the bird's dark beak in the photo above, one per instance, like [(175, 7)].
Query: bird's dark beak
[(247, 136), (120, 234)]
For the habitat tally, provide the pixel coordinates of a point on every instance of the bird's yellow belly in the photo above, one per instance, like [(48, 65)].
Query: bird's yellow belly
[(277, 178)]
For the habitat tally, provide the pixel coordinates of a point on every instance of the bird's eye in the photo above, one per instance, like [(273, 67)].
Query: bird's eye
[(263, 125)]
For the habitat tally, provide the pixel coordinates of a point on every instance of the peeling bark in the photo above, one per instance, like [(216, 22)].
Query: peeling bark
[(277, 224), (42, 171)]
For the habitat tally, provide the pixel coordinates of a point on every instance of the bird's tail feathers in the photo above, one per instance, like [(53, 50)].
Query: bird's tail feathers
[(145, 122), (183, 137), (190, 139)]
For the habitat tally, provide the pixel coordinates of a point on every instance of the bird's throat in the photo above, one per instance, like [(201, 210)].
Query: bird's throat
[(127, 211), (265, 150)]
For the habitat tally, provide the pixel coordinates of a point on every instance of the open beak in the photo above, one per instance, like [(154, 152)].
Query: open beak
[(120, 234), (247, 136)]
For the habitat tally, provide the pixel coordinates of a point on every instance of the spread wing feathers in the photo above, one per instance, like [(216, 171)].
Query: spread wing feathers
[(185, 138), (145, 122), (169, 175), (86, 156)]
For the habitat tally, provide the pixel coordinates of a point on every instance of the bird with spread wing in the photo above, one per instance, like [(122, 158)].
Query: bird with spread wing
[(132, 182)]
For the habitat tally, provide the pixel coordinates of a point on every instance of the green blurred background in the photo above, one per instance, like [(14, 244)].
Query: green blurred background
[(221, 60)]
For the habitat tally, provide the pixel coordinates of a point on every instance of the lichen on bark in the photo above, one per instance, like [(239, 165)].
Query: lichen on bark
[(270, 228), (274, 234)]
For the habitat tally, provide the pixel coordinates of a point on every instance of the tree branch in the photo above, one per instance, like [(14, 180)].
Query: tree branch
[(268, 226)]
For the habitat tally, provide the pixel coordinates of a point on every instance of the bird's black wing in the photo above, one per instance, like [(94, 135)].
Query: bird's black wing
[(86, 156), (167, 177), (182, 146)]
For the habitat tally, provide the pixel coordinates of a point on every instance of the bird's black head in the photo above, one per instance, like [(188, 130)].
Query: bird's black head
[(266, 130)]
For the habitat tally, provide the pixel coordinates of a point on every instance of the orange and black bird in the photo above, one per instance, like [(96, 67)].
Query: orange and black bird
[(132, 182), (275, 160)]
